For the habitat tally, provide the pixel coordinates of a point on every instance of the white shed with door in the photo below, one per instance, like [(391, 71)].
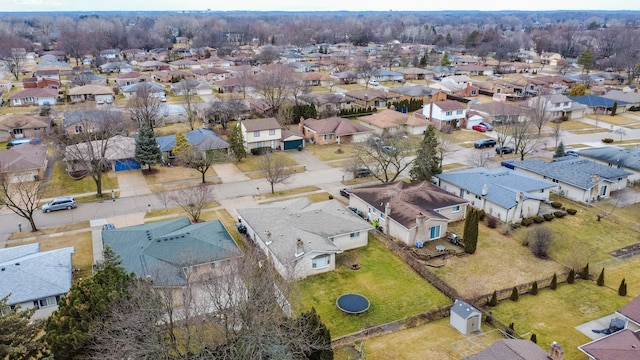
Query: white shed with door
[(465, 318)]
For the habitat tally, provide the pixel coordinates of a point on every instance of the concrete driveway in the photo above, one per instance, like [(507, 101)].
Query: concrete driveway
[(229, 173), (132, 183), (597, 324)]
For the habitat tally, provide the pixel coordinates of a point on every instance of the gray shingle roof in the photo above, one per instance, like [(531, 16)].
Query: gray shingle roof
[(577, 172), (628, 158), (313, 223), (261, 124), (512, 349), (503, 185), (203, 139), (463, 309), (28, 275), (161, 249)]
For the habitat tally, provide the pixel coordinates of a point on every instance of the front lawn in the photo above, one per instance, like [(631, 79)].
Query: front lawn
[(614, 120), (252, 162), (165, 178), (331, 152), (395, 291), (61, 184), (459, 136)]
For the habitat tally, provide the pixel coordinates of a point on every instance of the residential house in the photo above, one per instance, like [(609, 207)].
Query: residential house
[(17, 126), (5, 86), (120, 153), (599, 104), (627, 159), (130, 78), (346, 77), (621, 345), (327, 105), (394, 123), (388, 75), (550, 58), (153, 89), (39, 97), (409, 212), (631, 314), (589, 80), (612, 78), (465, 318), (42, 74), (415, 73), (35, 279), (334, 130), (152, 65), (27, 162), (304, 67), (87, 121), (474, 70), (558, 106), (210, 74), (441, 72), (373, 98), (231, 85), (632, 99), (110, 54), (448, 113), (426, 93), (99, 94), (577, 179), (301, 238), (183, 64), (116, 67), (498, 112), (175, 254), (202, 139), (292, 138), (261, 133), (313, 78), (193, 87), (503, 193), (518, 349)]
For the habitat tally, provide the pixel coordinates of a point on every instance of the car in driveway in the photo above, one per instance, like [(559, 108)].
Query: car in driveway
[(504, 150), (479, 128), (363, 172), (61, 203), (345, 192), (374, 82), (483, 143), (388, 149), (486, 125), (571, 153)]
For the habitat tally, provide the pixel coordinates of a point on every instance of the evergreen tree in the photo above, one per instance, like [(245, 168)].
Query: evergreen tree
[(424, 59), (318, 337), (614, 108), (68, 328), (514, 294), (622, 289), (19, 338), (236, 144), (534, 338), (470, 233), (572, 277), (559, 150), (427, 162), (600, 281), (445, 59), (554, 282), (584, 275), (534, 288), (585, 60), (494, 299), (182, 143), (147, 150)]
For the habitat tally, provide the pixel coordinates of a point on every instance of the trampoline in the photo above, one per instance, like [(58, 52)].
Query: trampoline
[(353, 303)]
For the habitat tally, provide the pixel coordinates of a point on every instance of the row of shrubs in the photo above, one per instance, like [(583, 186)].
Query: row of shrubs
[(546, 217)]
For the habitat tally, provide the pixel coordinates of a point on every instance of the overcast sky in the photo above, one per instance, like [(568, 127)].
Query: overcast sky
[(307, 5)]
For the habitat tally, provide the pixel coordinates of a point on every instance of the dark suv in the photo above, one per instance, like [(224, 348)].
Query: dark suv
[(483, 143)]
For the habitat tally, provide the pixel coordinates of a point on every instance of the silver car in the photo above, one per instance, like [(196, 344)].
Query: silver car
[(63, 203)]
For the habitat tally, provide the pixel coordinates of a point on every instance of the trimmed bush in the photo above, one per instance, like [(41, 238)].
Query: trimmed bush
[(622, 289), (330, 197), (534, 338), (554, 282), (600, 280), (607, 140), (584, 275), (572, 211), (559, 214), (511, 329), (492, 221), (481, 215), (494, 299), (556, 204), (514, 294), (527, 221), (548, 217), (534, 288), (538, 219), (572, 277)]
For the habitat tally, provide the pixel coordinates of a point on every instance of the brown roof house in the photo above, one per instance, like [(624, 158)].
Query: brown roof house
[(15, 126), (26, 162), (519, 349), (40, 97), (99, 94), (409, 212), (334, 130), (391, 122), (261, 133), (445, 113), (372, 98)]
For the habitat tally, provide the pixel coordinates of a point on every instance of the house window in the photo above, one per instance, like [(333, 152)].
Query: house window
[(381, 215), (171, 155), (354, 234), (256, 134), (456, 209), (448, 113), (459, 112), (328, 136), (474, 93), (7, 309), (260, 144), (17, 131), (272, 131), (321, 261), (78, 129), (434, 232), (49, 301)]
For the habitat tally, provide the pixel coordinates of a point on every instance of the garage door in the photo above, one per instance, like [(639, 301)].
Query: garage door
[(292, 145), (127, 164)]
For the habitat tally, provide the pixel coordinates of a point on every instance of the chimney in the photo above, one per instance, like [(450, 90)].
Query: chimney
[(595, 179), (301, 125), (299, 247), (420, 219), (485, 189), (519, 197), (556, 352)]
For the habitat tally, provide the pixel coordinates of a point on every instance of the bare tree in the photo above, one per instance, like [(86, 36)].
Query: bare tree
[(164, 197), (90, 148), (145, 107), (268, 54), (223, 111), (540, 240), (22, 197), (275, 168), (13, 54), (479, 158), (445, 146), (538, 113), (275, 86), (193, 200), (365, 70), (201, 160), (188, 88), (525, 140), (387, 160)]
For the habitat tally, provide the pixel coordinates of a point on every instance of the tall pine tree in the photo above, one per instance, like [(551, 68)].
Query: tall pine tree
[(470, 234), (236, 144), (147, 150), (19, 338), (559, 150), (427, 162)]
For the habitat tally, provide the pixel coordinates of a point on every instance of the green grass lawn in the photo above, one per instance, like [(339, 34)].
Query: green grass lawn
[(553, 315), (331, 152), (395, 291), (61, 184)]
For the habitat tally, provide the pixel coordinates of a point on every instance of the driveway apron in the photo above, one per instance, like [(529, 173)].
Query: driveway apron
[(132, 183)]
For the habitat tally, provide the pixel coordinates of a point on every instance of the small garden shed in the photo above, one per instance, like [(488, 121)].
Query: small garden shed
[(465, 318)]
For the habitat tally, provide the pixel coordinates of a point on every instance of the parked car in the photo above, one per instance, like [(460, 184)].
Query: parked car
[(487, 125), (345, 192), (108, 227), (571, 153), (504, 150), (388, 149), (483, 143), (16, 142), (374, 82), (62, 203), (479, 128), (376, 141), (363, 172)]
